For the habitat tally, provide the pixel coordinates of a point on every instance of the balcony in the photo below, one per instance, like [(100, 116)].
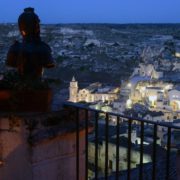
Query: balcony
[(123, 147), (82, 143)]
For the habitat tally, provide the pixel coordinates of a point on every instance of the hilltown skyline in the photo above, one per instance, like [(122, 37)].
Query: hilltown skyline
[(98, 144)]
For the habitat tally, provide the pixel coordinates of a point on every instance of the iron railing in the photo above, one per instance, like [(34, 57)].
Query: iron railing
[(142, 122)]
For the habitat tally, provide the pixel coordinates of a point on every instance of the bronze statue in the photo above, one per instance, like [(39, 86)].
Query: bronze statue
[(31, 55)]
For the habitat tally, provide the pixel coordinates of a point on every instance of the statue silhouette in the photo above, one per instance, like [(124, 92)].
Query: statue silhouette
[(31, 55)]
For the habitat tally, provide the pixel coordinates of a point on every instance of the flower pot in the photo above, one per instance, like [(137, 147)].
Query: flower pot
[(25, 101)]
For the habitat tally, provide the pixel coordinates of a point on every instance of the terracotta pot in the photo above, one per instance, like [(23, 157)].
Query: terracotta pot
[(25, 101)]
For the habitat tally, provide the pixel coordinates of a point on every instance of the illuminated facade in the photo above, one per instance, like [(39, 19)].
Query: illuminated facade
[(174, 99), (155, 94), (93, 93)]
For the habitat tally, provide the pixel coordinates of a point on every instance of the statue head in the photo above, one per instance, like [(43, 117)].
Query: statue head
[(29, 23)]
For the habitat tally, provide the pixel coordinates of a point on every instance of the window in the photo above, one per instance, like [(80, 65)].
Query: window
[(110, 164)]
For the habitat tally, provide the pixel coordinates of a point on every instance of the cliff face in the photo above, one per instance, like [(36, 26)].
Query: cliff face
[(35, 147)]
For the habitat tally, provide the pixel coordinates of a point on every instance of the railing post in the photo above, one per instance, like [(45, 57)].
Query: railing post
[(117, 149), (96, 145), (141, 152), (129, 150), (154, 153), (77, 143), (86, 143), (178, 164), (106, 148), (168, 153)]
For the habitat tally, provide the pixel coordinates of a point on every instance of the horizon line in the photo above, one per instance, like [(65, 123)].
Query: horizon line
[(128, 23)]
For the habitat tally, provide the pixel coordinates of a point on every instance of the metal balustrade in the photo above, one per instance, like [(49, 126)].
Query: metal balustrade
[(77, 108)]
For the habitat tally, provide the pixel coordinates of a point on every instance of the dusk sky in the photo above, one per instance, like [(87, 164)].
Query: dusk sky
[(94, 11)]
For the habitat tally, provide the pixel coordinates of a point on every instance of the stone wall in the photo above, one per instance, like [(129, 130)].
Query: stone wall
[(51, 157), (56, 158), (15, 150)]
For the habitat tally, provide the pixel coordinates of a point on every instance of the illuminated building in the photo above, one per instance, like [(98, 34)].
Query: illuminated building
[(93, 93)]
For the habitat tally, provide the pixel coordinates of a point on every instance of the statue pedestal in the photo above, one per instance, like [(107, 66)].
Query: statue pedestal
[(25, 100)]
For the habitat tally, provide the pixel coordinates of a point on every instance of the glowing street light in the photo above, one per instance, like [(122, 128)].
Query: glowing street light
[(129, 103)]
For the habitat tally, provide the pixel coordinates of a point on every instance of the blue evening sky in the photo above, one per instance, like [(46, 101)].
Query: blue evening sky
[(94, 11)]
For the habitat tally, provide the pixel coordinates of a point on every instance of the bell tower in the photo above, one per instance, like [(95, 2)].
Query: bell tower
[(73, 90)]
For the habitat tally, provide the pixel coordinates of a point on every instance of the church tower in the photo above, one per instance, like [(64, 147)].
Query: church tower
[(73, 90)]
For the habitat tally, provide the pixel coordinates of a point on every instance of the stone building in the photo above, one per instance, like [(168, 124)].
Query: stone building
[(93, 93)]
